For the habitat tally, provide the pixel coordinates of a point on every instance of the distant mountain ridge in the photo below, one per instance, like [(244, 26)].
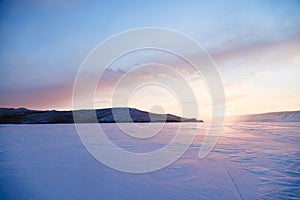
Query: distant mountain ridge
[(284, 116), (106, 115)]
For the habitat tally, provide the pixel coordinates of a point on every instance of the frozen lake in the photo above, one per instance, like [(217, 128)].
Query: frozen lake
[(250, 161)]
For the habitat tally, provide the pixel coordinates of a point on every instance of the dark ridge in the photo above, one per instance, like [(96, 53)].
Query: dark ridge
[(106, 115)]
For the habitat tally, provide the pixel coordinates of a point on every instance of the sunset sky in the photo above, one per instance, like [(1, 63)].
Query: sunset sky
[(255, 45)]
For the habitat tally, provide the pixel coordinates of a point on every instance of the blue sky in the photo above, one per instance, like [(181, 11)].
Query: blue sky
[(255, 45)]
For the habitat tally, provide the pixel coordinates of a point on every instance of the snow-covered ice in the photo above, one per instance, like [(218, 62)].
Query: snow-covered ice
[(250, 161)]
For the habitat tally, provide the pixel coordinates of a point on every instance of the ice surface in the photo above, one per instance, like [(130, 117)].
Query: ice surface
[(250, 161)]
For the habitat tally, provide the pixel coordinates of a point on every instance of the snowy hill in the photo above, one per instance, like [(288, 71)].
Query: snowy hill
[(107, 115), (287, 116)]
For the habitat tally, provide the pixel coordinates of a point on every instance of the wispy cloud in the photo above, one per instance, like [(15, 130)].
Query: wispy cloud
[(255, 45)]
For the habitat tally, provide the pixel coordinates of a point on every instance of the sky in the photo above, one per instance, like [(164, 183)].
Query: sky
[(254, 44)]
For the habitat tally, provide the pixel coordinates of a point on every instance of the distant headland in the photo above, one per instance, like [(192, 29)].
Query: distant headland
[(106, 115)]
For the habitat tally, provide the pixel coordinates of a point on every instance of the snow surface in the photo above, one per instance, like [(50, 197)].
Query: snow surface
[(250, 161), (286, 116)]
